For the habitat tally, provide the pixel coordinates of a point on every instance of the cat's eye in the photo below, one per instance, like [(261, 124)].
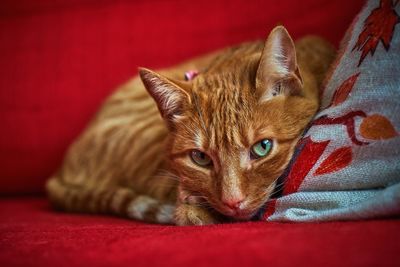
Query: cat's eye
[(200, 158), (261, 148)]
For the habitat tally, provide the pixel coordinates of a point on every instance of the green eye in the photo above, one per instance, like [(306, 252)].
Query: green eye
[(200, 158), (261, 148)]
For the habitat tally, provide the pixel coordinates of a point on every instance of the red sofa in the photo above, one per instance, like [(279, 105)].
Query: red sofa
[(60, 59)]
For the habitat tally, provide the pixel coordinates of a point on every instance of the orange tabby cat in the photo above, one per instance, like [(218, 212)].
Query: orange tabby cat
[(217, 149)]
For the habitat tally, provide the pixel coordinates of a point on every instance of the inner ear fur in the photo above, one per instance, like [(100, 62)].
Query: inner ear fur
[(278, 72), (170, 95)]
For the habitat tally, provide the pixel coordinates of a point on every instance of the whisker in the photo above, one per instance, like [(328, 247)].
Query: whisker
[(166, 174)]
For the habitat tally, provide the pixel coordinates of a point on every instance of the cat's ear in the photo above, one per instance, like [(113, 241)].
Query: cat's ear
[(278, 72), (168, 94)]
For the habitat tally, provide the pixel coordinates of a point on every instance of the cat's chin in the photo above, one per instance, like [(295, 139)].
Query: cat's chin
[(240, 215), (243, 217)]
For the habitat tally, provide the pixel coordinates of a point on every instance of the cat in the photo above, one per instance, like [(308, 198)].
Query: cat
[(216, 151)]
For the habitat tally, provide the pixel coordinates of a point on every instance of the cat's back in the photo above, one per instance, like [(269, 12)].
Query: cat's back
[(124, 139), (316, 55)]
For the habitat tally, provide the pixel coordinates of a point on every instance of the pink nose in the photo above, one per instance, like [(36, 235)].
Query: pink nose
[(233, 203)]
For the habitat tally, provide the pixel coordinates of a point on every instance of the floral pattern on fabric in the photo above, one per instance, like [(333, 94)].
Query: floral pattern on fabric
[(347, 156)]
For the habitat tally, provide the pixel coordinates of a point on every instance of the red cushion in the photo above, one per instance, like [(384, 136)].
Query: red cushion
[(33, 235), (59, 59)]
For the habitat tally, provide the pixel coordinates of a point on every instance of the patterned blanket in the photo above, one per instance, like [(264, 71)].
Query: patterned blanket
[(347, 166)]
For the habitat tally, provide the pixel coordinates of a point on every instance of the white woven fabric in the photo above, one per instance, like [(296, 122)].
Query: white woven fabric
[(354, 138)]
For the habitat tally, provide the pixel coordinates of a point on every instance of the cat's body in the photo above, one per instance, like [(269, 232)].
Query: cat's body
[(131, 161)]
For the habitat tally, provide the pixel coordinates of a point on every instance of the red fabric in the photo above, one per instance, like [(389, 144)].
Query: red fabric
[(59, 59), (33, 235)]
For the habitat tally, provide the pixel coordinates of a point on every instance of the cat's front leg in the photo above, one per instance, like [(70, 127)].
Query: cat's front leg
[(188, 214), (189, 210)]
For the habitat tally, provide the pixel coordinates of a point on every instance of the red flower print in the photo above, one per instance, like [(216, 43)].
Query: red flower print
[(379, 26), (343, 91), (337, 160)]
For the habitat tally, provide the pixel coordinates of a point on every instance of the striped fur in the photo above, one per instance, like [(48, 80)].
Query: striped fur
[(132, 162)]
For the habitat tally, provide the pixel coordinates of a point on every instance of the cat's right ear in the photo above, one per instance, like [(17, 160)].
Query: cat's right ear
[(170, 97)]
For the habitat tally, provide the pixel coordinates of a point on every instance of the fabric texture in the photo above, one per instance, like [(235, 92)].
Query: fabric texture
[(347, 166), (60, 59), (31, 234)]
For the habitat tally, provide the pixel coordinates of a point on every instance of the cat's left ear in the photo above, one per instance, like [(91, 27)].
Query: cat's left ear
[(170, 96), (278, 72)]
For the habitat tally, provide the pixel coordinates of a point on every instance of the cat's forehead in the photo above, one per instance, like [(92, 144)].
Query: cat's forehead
[(224, 108), (236, 76)]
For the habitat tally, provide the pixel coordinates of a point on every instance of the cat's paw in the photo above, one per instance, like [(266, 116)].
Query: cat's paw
[(192, 215)]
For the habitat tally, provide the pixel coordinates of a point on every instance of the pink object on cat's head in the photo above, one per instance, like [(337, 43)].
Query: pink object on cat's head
[(190, 75)]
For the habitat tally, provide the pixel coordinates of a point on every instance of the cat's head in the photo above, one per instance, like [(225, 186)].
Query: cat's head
[(233, 128)]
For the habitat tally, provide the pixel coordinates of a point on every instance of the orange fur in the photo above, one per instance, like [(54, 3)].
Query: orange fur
[(131, 161)]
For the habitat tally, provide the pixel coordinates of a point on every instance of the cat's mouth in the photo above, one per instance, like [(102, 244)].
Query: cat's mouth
[(239, 214), (244, 215)]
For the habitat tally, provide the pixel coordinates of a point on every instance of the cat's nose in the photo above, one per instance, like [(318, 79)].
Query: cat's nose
[(233, 203)]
